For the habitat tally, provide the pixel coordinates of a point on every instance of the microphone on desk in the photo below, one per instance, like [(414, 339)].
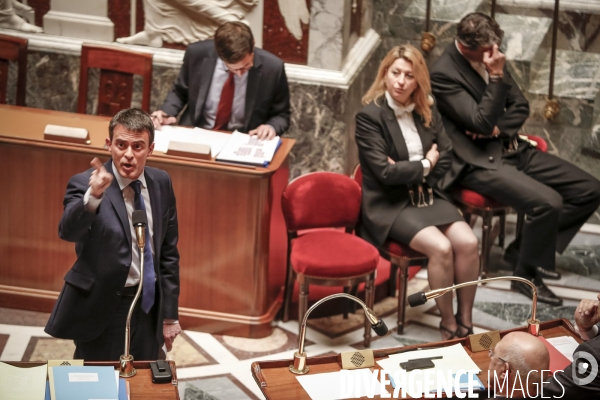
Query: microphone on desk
[(139, 221), (377, 324), (533, 324)]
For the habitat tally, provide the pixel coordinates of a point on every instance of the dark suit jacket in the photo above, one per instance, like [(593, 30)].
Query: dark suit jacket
[(102, 239), (563, 382), (385, 194), (267, 93), (467, 103)]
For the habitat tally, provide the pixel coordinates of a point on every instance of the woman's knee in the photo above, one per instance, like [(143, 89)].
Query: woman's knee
[(467, 244)]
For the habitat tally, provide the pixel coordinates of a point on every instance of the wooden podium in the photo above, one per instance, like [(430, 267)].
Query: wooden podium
[(232, 236), (141, 386), (278, 383)]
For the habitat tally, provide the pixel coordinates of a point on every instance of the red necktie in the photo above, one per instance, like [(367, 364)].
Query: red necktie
[(225, 104)]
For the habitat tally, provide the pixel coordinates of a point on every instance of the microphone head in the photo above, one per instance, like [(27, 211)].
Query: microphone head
[(380, 328), (139, 218), (416, 299)]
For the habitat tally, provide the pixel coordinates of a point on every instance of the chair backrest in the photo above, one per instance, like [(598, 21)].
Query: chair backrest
[(13, 49), (357, 175), (321, 200), (117, 67)]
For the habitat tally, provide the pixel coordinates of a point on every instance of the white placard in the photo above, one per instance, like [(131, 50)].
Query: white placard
[(83, 377)]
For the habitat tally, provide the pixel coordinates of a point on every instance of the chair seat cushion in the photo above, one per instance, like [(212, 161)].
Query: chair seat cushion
[(332, 254), (475, 199), (401, 250)]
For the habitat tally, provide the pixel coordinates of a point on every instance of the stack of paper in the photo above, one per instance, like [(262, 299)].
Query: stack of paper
[(22, 383), (83, 383), (245, 149), (167, 133)]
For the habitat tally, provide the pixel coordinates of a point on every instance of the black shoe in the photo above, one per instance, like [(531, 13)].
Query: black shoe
[(544, 273), (545, 295), (511, 254)]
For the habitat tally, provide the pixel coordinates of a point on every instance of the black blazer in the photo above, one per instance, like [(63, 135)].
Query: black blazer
[(385, 194), (267, 93), (102, 239), (467, 103)]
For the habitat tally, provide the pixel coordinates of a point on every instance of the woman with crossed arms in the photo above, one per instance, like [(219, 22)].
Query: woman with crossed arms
[(404, 151)]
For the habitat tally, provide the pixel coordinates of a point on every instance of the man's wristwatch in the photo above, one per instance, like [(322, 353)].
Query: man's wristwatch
[(496, 78)]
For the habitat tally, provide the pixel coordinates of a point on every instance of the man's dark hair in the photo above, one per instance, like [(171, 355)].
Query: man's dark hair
[(478, 30), (233, 41), (132, 119)]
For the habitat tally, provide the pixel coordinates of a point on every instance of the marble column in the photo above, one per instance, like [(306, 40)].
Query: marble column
[(329, 33), (83, 19)]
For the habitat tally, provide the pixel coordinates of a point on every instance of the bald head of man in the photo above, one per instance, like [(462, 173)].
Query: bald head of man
[(518, 357)]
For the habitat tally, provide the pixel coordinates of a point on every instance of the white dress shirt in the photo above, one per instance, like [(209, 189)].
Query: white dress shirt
[(409, 131), (214, 97), (92, 204)]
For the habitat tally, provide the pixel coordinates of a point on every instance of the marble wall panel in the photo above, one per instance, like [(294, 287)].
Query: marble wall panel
[(325, 43)]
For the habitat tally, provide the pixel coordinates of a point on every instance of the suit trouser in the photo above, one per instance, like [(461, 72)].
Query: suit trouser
[(556, 196), (110, 345)]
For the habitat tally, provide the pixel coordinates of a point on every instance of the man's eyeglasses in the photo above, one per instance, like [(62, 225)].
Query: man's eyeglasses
[(492, 354)]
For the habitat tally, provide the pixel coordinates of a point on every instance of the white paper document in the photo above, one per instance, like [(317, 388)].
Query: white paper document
[(454, 359), (341, 385), (216, 140), (566, 345), (245, 149), (22, 383)]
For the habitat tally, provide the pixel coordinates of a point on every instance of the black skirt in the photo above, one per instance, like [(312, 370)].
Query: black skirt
[(413, 219)]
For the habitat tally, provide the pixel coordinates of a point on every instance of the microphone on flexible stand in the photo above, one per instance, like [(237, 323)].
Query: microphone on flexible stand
[(533, 324), (377, 324), (139, 220)]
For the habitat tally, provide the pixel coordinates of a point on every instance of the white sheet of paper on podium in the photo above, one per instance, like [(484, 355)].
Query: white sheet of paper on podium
[(22, 383), (454, 359), (242, 148), (329, 385)]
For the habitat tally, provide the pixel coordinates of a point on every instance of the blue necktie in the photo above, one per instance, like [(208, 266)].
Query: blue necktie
[(149, 278)]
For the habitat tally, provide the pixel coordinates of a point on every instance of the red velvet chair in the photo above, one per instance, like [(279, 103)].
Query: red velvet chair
[(473, 203), (326, 257), (401, 257)]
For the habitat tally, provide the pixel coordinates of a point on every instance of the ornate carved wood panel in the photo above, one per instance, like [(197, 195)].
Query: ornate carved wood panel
[(114, 92)]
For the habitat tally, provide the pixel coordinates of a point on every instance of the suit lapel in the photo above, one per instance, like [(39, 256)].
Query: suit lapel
[(395, 131), (155, 201), (471, 78), (254, 77), (206, 72), (115, 196)]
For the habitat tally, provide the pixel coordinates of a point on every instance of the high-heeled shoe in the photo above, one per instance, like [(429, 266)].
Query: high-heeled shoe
[(453, 334), (469, 329)]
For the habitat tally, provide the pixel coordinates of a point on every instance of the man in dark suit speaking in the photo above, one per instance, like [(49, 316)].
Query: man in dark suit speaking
[(483, 110), (228, 84), (99, 288)]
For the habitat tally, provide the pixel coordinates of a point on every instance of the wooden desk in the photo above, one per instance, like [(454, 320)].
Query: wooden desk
[(232, 236), (141, 386), (277, 382)]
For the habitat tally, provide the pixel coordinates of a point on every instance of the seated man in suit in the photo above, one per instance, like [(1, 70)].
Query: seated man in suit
[(483, 110), (581, 379), (228, 84), (99, 289), (516, 366)]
